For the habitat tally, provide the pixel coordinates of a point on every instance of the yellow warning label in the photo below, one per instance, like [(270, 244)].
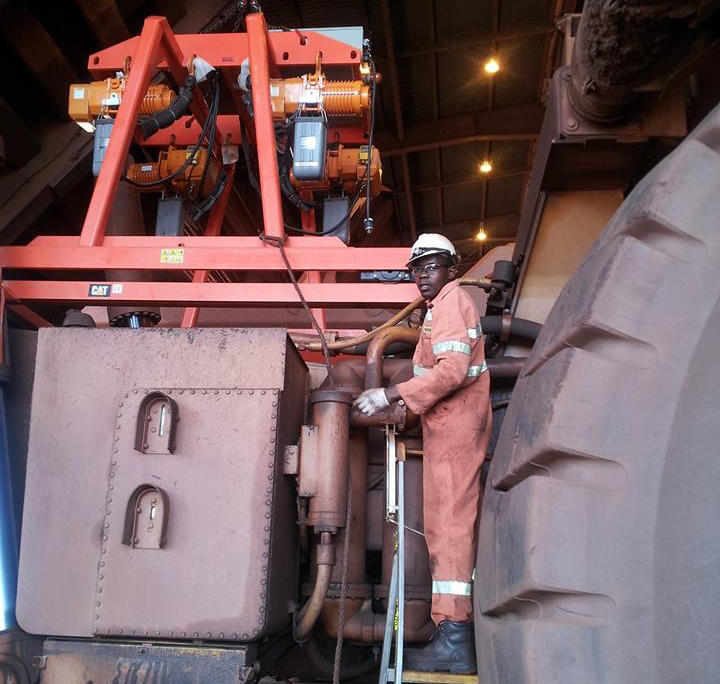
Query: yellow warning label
[(172, 255)]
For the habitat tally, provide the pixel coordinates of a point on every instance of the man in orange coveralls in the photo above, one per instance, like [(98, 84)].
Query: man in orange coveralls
[(450, 391)]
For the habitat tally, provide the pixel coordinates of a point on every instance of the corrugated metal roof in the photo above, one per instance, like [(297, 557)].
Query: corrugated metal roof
[(504, 195), (522, 63), (462, 19), (463, 86)]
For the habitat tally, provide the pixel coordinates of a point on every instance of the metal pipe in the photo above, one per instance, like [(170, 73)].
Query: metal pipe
[(374, 365), (519, 327), (303, 344), (505, 367), (357, 455), (325, 559), (264, 128), (331, 413), (369, 627), (396, 414)]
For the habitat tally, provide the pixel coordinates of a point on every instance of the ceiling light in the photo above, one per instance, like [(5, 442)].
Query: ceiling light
[(481, 235), (486, 166), (492, 66)]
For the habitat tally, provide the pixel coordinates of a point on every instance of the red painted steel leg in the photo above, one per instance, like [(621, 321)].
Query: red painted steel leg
[(212, 229), (307, 219), (29, 315), (264, 130), (143, 64)]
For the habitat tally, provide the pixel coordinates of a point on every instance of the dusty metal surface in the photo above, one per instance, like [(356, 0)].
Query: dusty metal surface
[(19, 655), (211, 575), (74, 662), (331, 410), (18, 394)]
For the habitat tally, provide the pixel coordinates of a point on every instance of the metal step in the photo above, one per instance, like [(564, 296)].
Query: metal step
[(418, 677)]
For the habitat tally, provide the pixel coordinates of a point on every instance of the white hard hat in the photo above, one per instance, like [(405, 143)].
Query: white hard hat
[(432, 243)]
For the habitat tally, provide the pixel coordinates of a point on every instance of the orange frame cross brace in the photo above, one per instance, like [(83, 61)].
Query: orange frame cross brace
[(158, 48)]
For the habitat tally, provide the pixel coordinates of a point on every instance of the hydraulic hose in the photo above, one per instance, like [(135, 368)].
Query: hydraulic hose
[(519, 326), (208, 203), (307, 617), (166, 117)]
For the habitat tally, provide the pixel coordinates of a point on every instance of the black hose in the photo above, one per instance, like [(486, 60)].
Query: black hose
[(212, 113), (505, 367), (519, 327), (166, 117), (209, 122), (208, 203), (290, 192), (392, 348)]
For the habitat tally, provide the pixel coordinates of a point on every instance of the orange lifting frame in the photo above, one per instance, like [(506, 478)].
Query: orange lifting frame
[(157, 47)]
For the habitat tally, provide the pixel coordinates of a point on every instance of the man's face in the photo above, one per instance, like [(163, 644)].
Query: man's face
[(431, 274)]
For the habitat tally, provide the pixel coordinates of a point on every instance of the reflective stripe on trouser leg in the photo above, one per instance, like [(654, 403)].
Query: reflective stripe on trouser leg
[(452, 587)]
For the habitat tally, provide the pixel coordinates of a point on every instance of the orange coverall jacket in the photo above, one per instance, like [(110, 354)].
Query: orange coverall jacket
[(450, 390)]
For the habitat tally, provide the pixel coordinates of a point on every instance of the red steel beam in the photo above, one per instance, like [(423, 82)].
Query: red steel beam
[(264, 127), (194, 253), (29, 316), (231, 49), (372, 295), (145, 59)]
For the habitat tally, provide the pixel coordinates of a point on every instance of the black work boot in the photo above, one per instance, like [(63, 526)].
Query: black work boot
[(451, 649)]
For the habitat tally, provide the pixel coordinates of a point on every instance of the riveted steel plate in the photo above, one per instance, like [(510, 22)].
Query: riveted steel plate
[(240, 396)]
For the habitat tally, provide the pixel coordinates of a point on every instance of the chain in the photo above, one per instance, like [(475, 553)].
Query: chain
[(280, 244)]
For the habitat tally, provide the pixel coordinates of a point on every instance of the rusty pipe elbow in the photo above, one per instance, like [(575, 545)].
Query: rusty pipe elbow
[(374, 365), (362, 624), (308, 615)]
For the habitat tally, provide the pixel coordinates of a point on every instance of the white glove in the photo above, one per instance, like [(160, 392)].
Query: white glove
[(372, 401)]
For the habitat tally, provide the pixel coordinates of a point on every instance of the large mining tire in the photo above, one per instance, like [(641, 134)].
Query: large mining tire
[(599, 543)]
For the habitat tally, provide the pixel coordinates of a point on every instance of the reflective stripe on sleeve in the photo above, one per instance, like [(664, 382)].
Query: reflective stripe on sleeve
[(473, 371), (451, 345), (452, 587), (474, 333)]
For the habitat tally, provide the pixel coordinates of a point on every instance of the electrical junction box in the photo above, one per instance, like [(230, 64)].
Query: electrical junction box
[(309, 148)]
